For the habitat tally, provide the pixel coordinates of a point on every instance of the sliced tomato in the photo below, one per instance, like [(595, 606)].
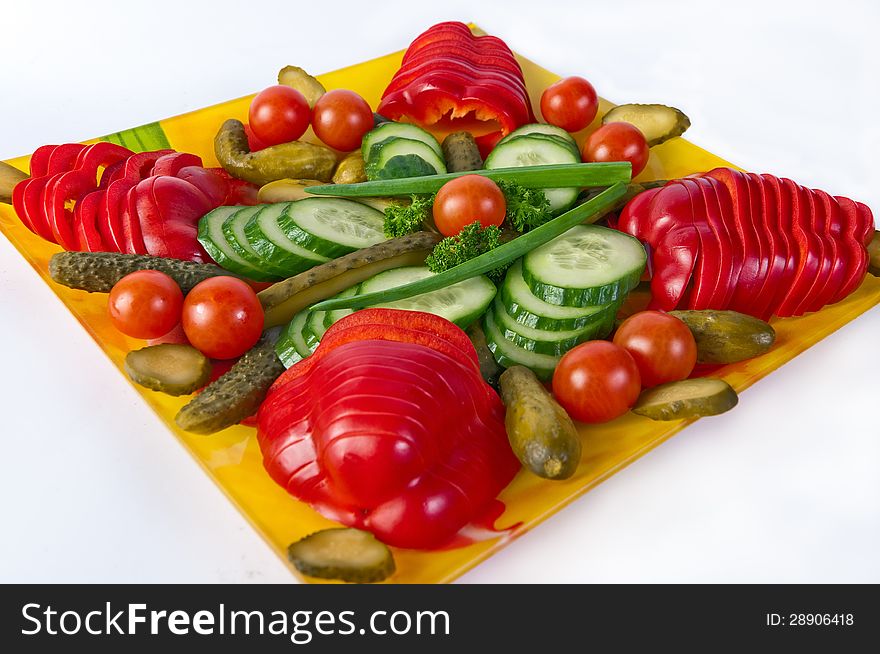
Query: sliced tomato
[(766, 222), (84, 223), (728, 268)]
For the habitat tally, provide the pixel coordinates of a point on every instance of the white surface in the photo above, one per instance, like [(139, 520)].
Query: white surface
[(784, 488)]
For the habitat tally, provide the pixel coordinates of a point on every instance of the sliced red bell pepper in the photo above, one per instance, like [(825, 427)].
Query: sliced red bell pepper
[(60, 195), (834, 251), (768, 222), (670, 209), (726, 268), (212, 185), (18, 203), (100, 155), (133, 239), (34, 206), (858, 256), (460, 67), (110, 214), (84, 223), (112, 173), (812, 287), (763, 253), (63, 158), (169, 210), (785, 235), (140, 166), (635, 211), (706, 275), (866, 223), (673, 262), (170, 164), (39, 164), (809, 247)]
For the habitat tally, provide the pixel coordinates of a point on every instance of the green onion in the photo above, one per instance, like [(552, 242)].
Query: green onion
[(490, 260), (551, 176)]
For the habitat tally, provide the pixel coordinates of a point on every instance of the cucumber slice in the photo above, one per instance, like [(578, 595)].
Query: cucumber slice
[(544, 128), (508, 354), (290, 347), (332, 227), (526, 309), (398, 157), (461, 303), (387, 131), (270, 242), (211, 237), (544, 341), (233, 232), (537, 150), (587, 265)]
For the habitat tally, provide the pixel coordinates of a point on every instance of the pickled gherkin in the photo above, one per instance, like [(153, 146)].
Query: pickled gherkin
[(342, 553), (170, 368), (657, 122), (690, 398)]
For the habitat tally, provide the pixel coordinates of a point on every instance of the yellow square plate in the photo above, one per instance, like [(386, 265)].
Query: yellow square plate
[(232, 457)]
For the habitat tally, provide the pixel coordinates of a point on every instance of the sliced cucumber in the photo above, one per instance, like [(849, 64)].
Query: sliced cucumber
[(332, 227), (544, 128), (399, 157), (508, 354), (526, 309), (537, 150), (386, 131), (544, 341), (211, 237), (233, 233), (269, 241), (461, 303), (290, 346), (587, 265)]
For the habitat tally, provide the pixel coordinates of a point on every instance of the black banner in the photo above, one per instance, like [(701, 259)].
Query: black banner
[(284, 618)]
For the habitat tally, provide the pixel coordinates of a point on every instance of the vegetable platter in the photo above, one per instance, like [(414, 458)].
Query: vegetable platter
[(728, 254)]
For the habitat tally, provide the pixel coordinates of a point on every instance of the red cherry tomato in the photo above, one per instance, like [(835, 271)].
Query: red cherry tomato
[(618, 142), (222, 317), (279, 114), (596, 382), (145, 304), (341, 118), (571, 103), (467, 199), (662, 346)]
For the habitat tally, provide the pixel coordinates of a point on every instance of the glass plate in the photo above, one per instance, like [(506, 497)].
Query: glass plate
[(232, 457)]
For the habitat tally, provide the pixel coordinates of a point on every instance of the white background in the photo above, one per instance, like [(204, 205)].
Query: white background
[(784, 488)]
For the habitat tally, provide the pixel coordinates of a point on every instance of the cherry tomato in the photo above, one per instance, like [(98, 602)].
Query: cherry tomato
[(222, 317), (279, 114), (341, 118), (571, 103), (662, 346), (145, 304), (596, 381), (467, 199), (618, 142)]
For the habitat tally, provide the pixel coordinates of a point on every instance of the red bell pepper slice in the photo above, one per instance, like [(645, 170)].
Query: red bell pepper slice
[(100, 155), (706, 274), (212, 185), (718, 246), (133, 239), (63, 158), (169, 210), (785, 238), (858, 256), (866, 223), (768, 223), (19, 205), (84, 223), (672, 208), (111, 174), (110, 214), (763, 252), (35, 208), (636, 212), (809, 247), (834, 251), (673, 261), (61, 194), (812, 286), (451, 64), (140, 166), (170, 164), (39, 163)]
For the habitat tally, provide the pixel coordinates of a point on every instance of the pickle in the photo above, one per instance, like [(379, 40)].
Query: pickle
[(657, 122), (283, 300), (541, 433), (294, 160), (295, 77), (727, 336), (461, 152), (285, 190), (690, 398), (342, 553), (9, 177), (98, 272), (350, 170), (874, 255), (237, 394), (489, 368), (170, 368)]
